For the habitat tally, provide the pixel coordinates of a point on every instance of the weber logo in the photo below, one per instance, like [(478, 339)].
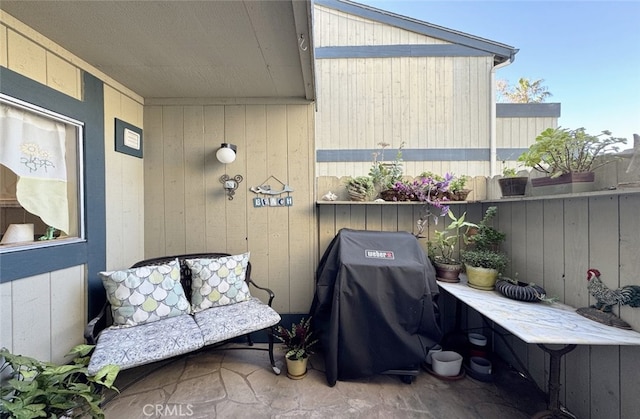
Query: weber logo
[(378, 254)]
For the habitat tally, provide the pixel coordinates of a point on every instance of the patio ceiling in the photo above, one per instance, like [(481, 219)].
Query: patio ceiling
[(185, 49)]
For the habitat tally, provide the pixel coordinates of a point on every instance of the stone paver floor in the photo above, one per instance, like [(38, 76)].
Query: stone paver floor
[(234, 383)]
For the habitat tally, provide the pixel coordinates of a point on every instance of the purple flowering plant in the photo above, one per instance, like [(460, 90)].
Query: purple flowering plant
[(430, 189), (298, 340)]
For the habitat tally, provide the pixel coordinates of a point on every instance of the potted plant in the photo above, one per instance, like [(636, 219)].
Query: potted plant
[(484, 261), (483, 267), (42, 389), (385, 175), (568, 158), (360, 188), (441, 249), (511, 184), (438, 186), (298, 344), (457, 189)]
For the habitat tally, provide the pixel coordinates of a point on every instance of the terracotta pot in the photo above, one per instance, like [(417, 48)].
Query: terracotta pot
[(447, 272), (481, 278), (459, 195), (296, 368), (396, 196)]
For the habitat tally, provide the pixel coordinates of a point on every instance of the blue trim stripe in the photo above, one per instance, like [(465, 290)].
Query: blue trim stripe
[(386, 51), (420, 154)]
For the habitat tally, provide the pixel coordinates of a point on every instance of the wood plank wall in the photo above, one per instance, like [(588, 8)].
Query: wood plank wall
[(551, 242), (186, 209), (521, 132), (435, 102)]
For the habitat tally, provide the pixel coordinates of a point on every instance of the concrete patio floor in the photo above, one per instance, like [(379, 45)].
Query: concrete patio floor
[(234, 383)]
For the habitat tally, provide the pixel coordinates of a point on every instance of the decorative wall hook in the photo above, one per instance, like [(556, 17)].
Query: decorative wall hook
[(230, 184), (301, 42)]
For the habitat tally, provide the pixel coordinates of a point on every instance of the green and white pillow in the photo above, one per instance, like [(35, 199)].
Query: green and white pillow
[(146, 294), (219, 281)]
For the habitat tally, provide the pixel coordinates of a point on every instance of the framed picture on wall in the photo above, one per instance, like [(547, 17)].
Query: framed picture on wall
[(128, 139)]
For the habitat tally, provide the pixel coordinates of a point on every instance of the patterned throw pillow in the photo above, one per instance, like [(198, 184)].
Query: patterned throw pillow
[(146, 294), (219, 281)]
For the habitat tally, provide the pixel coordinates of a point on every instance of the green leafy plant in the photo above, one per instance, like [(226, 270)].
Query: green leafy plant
[(487, 237), (488, 259), (458, 183), (298, 340), (36, 389), (486, 241), (558, 151), (509, 172), (433, 176), (442, 247), (385, 175), (360, 185)]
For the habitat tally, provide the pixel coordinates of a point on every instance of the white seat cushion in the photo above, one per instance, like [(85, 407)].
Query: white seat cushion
[(225, 322), (129, 347)]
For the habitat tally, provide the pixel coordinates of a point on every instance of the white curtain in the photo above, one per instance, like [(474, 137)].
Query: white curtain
[(33, 147)]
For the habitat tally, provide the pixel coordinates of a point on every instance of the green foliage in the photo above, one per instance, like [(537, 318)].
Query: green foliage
[(42, 389), (442, 247), (298, 340), (361, 184), (386, 175), (557, 151), (458, 183), (430, 175), (488, 259), (486, 241), (526, 91), (487, 237), (509, 172)]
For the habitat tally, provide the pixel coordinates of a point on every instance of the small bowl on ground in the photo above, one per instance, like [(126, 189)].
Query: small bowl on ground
[(477, 339), (480, 365), (446, 363)]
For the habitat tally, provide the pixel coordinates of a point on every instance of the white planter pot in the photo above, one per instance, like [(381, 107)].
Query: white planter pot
[(446, 363)]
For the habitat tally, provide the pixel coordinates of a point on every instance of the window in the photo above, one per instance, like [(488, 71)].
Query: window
[(40, 176)]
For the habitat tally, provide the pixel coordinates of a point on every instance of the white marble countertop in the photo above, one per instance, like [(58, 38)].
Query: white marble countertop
[(553, 323)]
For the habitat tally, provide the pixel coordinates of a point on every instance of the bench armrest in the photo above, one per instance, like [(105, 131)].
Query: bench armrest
[(267, 290), (96, 325)]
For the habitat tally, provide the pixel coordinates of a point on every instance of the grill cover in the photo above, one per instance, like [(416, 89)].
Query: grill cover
[(374, 307)]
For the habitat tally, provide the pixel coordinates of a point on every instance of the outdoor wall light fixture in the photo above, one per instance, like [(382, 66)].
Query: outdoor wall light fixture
[(226, 153)]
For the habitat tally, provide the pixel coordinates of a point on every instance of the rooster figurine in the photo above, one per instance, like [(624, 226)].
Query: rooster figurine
[(607, 298)]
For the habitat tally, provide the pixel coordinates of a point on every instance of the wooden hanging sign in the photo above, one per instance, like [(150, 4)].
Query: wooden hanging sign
[(270, 197)]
